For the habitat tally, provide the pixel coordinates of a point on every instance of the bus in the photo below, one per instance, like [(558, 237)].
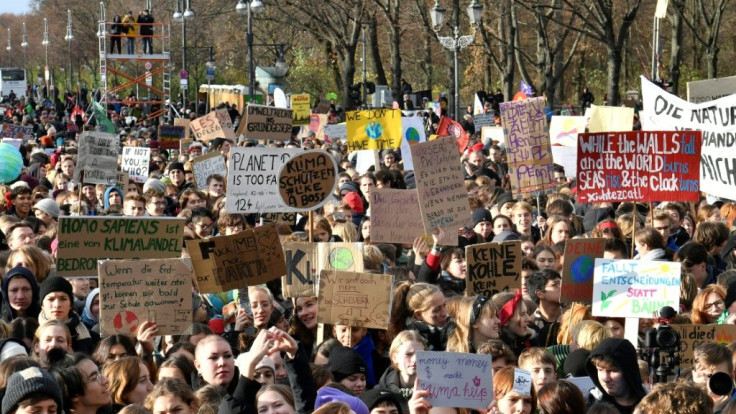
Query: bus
[(13, 79)]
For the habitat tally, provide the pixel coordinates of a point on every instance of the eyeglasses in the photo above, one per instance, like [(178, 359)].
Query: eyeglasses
[(204, 226), (717, 304)]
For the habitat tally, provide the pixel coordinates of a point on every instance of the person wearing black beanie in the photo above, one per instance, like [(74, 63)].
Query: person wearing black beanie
[(56, 303), (32, 390), (349, 369)]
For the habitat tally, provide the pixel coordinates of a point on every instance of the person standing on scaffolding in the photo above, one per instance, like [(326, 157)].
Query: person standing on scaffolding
[(130, 29), (116, 31), (145, 21)]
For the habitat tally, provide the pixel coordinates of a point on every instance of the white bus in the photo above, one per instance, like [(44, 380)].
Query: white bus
[(13, 79)]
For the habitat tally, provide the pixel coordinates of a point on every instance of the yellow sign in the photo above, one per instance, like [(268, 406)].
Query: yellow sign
[(300, 106), (374, 129)]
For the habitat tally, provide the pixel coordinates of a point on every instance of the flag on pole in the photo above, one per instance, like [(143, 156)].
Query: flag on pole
[(103, 122), (448, 127), (477, 106), (526, 89)]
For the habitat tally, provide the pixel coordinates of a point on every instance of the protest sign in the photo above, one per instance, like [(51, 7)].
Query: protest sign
[(610, 119), (169, 137), (665, 111), (206, 165), (577, 272), (122, 179), (634, 288), (206, 128), (710, 89), (528, 148), (223, 116), (365, 159), (491, 134), (184, 145), (412, 132), (336, 131), (134, 291), (83, 240), (564, 130), (692, 336), (266, 123), (455, 379), (288, 218), (17, 142), (522, 382), (307, 180), (340, 256), (248, 258), (300, 109), (184, 123), (317, 124), (252, 179), (443, 200), (136, 161), (97, 157), (483, 120), (492, 267), (638, 166), (301, 269), (584, 384), (24, 132), (354, 299), (395, 216), (374, 129)]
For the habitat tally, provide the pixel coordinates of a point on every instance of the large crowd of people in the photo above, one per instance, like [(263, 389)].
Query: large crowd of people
[(254, 350)]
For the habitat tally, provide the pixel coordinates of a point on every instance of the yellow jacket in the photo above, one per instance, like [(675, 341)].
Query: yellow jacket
[(129, 25)]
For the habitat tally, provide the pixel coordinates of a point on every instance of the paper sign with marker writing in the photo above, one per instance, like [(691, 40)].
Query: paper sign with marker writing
[(267, 123), (253, 179), (483, 120), (354, 299), (374, 129), (97, 157), (710, 89), (610, 119), (564, 130), (135, 291), (336, 131), (692, 336), (522, 382), (136, 161), (492, 267), (634, 288), (579, 264), (456, 379), (394, 216), (412, 132), (206, 128), (251, 257), (206, 165)]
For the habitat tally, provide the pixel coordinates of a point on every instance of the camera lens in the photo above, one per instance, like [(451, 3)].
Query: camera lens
[(667, 337)]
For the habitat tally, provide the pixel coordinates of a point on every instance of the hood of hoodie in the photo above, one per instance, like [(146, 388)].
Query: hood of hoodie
[(33, 310), (391, 381), (623, 355), (87, 315), (106, 201)]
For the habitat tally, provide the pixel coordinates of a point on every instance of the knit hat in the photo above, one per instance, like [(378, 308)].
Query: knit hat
[(217, 325), (480, 215), (266, 362), (354, 201), (56, 284), (155, 184), (176, 166), (345, 362), (327, 395), (29, 381), (377, 395), (10, 347), (48, 206), (193, 146), (503, 199)]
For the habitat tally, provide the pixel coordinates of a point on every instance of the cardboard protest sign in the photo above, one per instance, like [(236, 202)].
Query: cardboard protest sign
[(412, 132), (710, 89), (443, 200), (24, 132), (305, 261), (169, 137), (340, 256), (288, 218), (97, 157), (206, 165), (692, 336), (184, 145), (226, 122), (354, 299), (336, 131), (206, 128), (492, 267), (528, 148), (577, 272), (374, 129), (665, 111), (184, 123), (317, 124), (136, 161), (395, 216), (248, 258), (266, 123), (638, 166), (252, 179), (610, 119), (307, 180), (122, 179), (134, 291), (83, 240), (483, 120), (300, 109), (455, 379), (634, 288)]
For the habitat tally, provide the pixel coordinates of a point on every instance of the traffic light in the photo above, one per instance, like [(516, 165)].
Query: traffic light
[(355, 94), (370, 88)]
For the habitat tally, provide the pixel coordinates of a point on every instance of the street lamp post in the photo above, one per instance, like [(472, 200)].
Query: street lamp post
[(24, 45), (456, 42), (210, 74), (183, 14), (9, 47), (45, 42), (249, 8), (69, 37)]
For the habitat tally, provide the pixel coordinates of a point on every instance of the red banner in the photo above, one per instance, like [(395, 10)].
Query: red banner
[(448, 127), (639, 166)]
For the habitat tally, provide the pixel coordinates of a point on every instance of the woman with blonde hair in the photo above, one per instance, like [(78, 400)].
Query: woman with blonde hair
[(32, 258), (421, 307), (476, 322), (399, 378), (130, 381), (576, 313), (709, 306), (346, 231)]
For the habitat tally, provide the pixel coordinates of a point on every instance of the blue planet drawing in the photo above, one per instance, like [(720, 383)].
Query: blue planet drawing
[(582, 269), (412, 135), (374, 130)]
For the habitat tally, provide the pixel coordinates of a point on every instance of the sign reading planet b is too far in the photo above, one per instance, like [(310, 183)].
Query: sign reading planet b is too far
[(307, 180)]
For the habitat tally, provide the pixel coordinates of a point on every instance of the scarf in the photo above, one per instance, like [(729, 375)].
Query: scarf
[(77, 329)]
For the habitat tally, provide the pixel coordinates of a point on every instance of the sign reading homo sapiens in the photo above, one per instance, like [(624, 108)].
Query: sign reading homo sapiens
[(207, 165), (374, 129), (455, 379), (634, 288), (134, 291), (307, 180), (97, 158), (492, 267), (83, 240), (638, 166), (136, 161), (266, 122), (395, 216), (354, 299)]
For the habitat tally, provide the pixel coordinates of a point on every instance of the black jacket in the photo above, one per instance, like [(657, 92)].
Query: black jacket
[(623, 355)]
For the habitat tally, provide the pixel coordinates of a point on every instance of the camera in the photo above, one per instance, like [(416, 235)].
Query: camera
[(662, 346), (663, 337)]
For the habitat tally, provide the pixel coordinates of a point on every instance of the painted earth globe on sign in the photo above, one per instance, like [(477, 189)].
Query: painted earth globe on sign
[(582, 269)]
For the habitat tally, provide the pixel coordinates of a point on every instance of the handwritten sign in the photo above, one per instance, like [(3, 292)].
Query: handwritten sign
[(638, 166), (610, 119), (136, 161), (252, 179), (134, 291), (206, 128), (288, 218), (394, 216), (577, 272), (206, 165), (443, 200), (481, 120), (97, 157), (248, 258), (527, 143), (184, 123), (226, 122), (300, 108), (266, 122), (336, 131), (710, 89), (522, 382), (83, 240), (492, 267), (354, 299), (412, 132), (307, 180), (317, 124), (564, 130), (456, 379), (305, 261), (634, 288), (24, 132), (374, 129), (692, 336), (170, 137)]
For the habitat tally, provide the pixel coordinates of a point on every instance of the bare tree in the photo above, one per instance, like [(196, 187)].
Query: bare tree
[(500, 44), (392, 12), (704, 22)]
